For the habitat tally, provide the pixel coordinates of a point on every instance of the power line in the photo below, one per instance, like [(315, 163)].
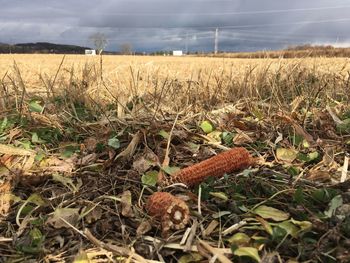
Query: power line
[(340, 20), (226, 13), (290, 34), (289, 23)]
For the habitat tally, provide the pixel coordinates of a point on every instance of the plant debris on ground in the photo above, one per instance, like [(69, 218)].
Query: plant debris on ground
[(77, 168)]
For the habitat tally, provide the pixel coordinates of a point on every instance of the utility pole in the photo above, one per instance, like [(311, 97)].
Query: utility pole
[(186, 43), (216, 41)]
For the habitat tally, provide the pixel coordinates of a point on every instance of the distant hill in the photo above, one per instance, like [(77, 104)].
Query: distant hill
[(42, 47)]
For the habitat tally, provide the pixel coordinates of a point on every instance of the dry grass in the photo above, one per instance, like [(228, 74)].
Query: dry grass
[(116, 68), (79, 135), (206, 82)]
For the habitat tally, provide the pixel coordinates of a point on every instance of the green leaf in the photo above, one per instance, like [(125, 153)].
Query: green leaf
[(100, 147), (304, 225), (313, 156), (82, 257), (298, 196), (345, 226), (3, 125), (36, 236), (207, 187), (164, 134), (268, 212), (302, 157), (36, 139), (34, 106), (293, 170), (324, 195), (193, 147), (306, 144), (344, 127), (39, 157), (336, 202), (266, 225), (190, 258), (26, 208), (36, 199), (26, 144), (220, 195), (221, 213), (346, 115), (250, 252), (227, 137), (171, 170), (259, 239), (297, 139), (150, 178), (239, 239), (290, 228), (207, 127), (258, 114), (66, 181), (286, 155), (278, 234), (215, 136), (114, 142), (310, 157), (69, 151)]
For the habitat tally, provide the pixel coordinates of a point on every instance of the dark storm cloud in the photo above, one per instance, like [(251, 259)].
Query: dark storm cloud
[(182, 24)]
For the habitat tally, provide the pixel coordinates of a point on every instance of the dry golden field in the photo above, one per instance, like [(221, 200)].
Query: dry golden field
[(201, 80), (86, 141), (116, 68)]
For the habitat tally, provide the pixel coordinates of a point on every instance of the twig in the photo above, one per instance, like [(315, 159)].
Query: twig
[(234, 227), (191, 236), (199, 200), (113, 248), (166, 158), (54, 79), (167, 151), (344, 172), (215, 252)]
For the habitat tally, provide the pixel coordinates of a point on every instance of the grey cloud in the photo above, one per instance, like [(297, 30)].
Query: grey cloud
[(168, 24)]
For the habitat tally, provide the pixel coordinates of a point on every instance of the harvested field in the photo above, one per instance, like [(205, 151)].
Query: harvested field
[(87, 142)]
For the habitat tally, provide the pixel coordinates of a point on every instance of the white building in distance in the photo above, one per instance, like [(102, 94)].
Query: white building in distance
[(177, 53), (90, 52)]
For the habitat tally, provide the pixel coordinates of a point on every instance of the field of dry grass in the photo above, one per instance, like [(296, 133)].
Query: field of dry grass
[(211, 81), (85, 142), (117, 68)]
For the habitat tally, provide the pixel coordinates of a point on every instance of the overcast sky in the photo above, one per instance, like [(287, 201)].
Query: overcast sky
[(149, 25)]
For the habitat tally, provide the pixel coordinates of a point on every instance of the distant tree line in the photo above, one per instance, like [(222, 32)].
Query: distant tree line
[(42, 47)]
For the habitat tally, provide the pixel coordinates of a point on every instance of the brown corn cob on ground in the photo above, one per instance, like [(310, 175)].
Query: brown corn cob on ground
[(226, 162), (172, 211)]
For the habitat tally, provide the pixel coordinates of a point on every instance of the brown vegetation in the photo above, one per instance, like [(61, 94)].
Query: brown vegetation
[(83, 140)]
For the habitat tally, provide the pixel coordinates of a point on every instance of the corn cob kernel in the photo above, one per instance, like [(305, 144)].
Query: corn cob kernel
[(172, 211), (226, 162)]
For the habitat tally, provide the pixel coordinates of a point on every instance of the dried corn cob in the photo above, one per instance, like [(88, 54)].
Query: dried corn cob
[(172, 211), (226, 162)]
